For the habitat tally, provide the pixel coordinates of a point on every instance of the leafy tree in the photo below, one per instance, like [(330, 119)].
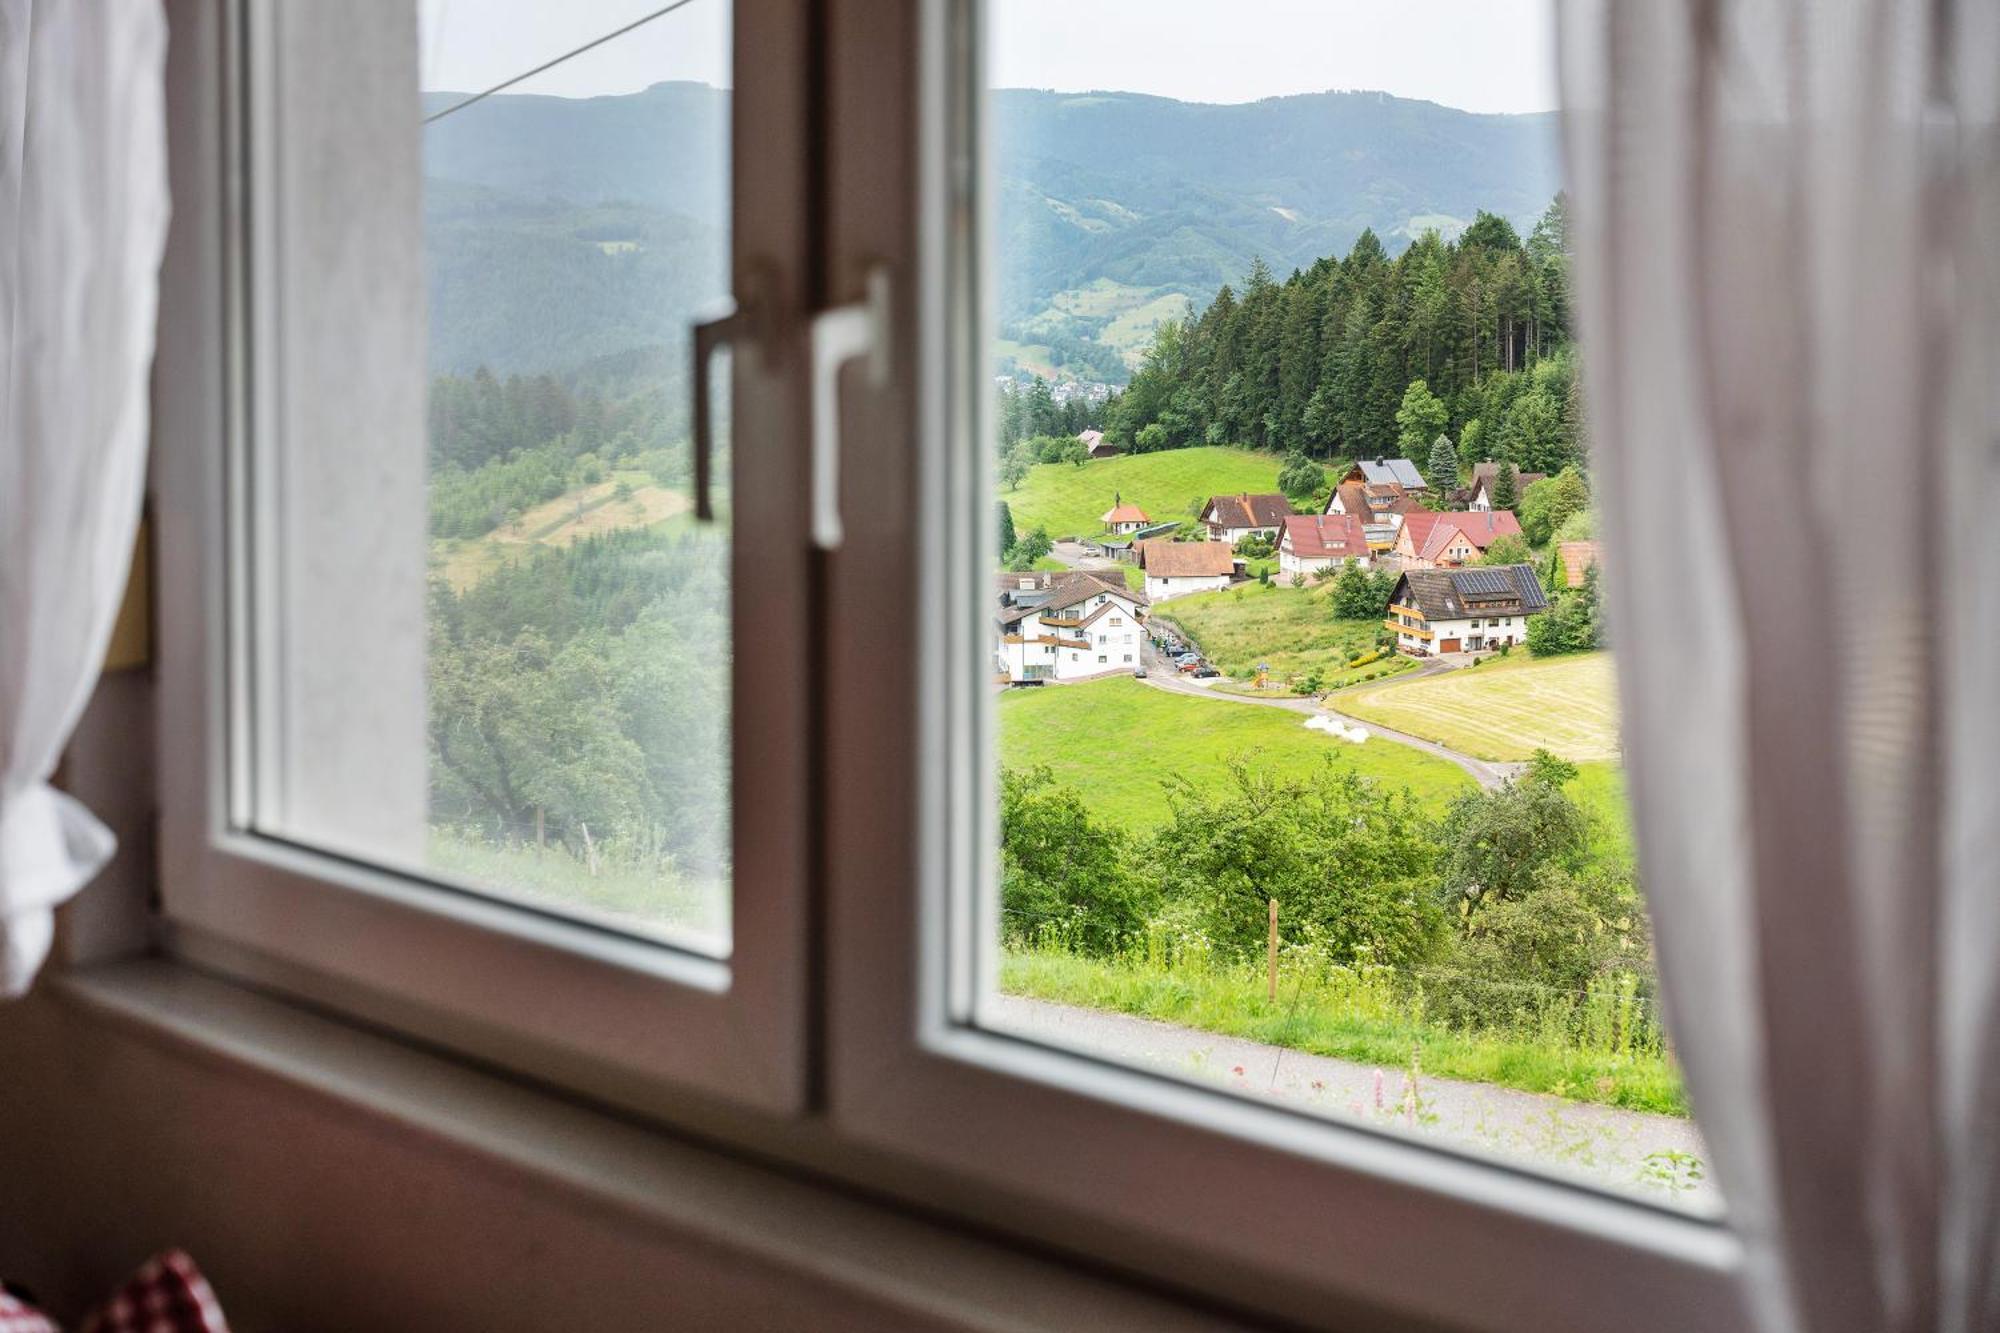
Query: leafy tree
[(1031, 548), (1506, 488), (1421, 418), (1550, 503), (1497, 841), (1347, 860), (1300, 478), (1508, 549), (1151, 439), (1063, 875), (1360, 595), (1573, 624), (1442, 470)]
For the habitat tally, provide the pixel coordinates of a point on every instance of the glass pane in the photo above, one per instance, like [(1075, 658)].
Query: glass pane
[(1310, 782), (575, 630)]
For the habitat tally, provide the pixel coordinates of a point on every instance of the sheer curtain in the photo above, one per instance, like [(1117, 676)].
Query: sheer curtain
[(1787, 233), (83, 208)]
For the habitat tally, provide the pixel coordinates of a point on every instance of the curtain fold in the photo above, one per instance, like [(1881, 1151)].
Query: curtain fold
[(1787, 234), (83, 209)]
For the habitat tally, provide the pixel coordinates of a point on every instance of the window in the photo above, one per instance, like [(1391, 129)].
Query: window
[(468, 710)]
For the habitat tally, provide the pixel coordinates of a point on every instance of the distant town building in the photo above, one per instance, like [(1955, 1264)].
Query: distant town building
[(1436, 611), (1068, 625), (1095, 446), (1175, 569)]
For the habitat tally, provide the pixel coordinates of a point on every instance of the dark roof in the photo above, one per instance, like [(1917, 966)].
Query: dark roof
[(1455, 594), (1056, 589), (1393, 471), (1247, 511), (1489, 472)]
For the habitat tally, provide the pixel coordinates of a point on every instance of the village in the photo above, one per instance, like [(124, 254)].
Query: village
[(1449, 602)]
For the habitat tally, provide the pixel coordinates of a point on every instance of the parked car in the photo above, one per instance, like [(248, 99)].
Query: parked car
[(1189, 664), (1204, 671)]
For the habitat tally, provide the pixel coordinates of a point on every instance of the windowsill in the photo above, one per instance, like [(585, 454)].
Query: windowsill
[(659, 1181)]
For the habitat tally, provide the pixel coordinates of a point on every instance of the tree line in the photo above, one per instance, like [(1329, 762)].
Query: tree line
[(1364, 355)]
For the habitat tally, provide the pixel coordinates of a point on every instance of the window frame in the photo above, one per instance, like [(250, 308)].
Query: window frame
[(627, 1021), (1317, 1221)]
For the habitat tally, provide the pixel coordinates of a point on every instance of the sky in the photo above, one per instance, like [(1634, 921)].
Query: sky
[(1479, 55)]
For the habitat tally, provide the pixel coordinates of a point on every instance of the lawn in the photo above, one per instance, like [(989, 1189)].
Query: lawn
[(1290, 629), (1068, 500), (1115, 739), (1567, 705)]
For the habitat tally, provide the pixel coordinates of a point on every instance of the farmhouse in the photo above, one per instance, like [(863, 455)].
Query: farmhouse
[(1175, 569), (1427, 540), (1312, 543), (1577, 558), (1067, 626), (1231, 518), (1398, 472), (1463, 610), (1122, 517), (1094, 445), (1479, 494)]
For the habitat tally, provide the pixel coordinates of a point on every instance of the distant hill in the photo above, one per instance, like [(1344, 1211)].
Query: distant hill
[(1113, 207)]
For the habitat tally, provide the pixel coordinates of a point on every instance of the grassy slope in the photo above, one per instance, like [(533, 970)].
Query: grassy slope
[(1115, 739), (1291, 629), (1068, 500), (587, 510), (1568, 705)]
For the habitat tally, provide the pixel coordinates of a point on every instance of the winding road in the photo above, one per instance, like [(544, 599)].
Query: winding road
[(1161, 675)]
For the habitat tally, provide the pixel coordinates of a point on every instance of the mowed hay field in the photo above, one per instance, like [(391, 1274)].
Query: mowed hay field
[(1291, 630), (1504, 711), (1114, 740), (1069, 500)]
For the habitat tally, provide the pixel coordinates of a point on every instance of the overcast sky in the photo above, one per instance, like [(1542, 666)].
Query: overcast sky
[(1481, 55)]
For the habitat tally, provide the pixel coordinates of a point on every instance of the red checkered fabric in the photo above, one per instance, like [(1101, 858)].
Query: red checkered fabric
[(20, 1317), (167, 1295)]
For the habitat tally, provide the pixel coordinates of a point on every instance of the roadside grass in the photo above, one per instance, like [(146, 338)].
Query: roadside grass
[(1115, 739), (1582, 1054), (1566, 705), (1290, 629), (1068, 500)]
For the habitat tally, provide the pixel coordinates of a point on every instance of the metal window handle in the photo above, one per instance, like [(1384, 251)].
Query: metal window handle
[(720, 330), (840, 335)]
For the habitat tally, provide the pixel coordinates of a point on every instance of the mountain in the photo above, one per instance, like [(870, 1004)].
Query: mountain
[(1113, 209)]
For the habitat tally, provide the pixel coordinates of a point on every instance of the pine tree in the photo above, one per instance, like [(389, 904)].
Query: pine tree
[(1443, 469), (1007, 537), (1506, 488)]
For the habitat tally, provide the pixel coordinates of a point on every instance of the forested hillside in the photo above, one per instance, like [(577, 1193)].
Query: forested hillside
[(1369, 355)]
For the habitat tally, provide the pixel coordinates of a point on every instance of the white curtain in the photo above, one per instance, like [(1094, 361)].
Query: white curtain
[(83, 208), (1786, 220)]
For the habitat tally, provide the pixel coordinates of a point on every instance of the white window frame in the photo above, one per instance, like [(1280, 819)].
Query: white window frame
[(1319, 1222), (630, 1022)]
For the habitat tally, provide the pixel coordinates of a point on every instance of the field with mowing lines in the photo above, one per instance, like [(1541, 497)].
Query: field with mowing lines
[(1568, 705), (560, 522), (1115, 739), (1291, 630), (1068, 500)]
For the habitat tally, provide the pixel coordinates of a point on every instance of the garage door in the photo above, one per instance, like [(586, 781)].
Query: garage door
[(1447, 645)]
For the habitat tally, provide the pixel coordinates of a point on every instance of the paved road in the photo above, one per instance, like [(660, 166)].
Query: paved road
[(1161, 675), (1604, 1145), (1078, 556)]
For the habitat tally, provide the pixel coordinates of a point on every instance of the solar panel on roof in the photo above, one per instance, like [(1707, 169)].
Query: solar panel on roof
[(1485, 582)]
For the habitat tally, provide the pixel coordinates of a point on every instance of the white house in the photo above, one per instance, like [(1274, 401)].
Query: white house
[(1314, 543), (1231, 518), (1175, 569), (1069, 625), (1427, 540), (1380, 508), (1123, 518), (1463, 610)]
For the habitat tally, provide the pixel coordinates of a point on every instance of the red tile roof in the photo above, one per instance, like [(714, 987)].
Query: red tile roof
[(1125, 514), (1324, 537), (1430, 534), (1161, 559)]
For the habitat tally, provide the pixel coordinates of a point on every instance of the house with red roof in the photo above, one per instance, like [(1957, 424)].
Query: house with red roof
[(1316, 543), (1380, 506), (1428, 540), (1122, 518)]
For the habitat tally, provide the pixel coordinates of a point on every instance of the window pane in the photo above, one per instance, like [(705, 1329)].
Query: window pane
[(559, 643), (1310, 783)]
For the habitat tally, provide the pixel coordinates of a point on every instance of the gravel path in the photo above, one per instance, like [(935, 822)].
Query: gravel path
[(1602, 1145)]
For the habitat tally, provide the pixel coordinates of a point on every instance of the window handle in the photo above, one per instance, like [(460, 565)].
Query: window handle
[(725, 325), (840, 335)]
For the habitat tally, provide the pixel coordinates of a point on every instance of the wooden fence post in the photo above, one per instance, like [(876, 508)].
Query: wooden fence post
[(1271, 957)]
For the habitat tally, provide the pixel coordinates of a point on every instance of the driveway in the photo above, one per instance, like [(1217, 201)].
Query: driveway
[(1161, 675), (1078, 556), (1606, 1146)]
